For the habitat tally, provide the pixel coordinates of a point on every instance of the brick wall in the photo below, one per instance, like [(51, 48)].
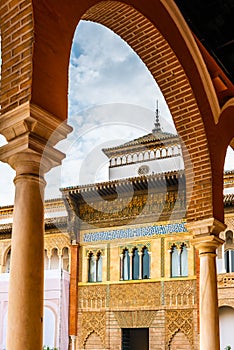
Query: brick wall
[(180, 342), (17, 46), (162, 62), (93, 342)]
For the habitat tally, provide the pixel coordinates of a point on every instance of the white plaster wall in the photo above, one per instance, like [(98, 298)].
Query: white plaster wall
[(56, 297), (156, 166), (226, 326), (4, 282)]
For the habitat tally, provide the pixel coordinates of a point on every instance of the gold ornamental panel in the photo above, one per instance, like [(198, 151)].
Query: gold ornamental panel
[(179, 320), (135, 319), (180, 293), (93, 322), (135, 295)]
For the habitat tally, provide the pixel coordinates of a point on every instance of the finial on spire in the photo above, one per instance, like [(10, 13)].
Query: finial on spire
[(157, 126)]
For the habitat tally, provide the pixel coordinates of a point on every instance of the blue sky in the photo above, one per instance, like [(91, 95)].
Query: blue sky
[(112, 99)]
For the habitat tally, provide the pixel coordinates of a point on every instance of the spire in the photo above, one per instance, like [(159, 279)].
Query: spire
[(157, 126)]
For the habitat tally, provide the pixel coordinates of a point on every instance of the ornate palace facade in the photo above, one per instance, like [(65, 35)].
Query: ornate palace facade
[(134, 277), (137, 279)]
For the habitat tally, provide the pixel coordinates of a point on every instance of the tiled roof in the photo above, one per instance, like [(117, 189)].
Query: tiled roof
[(157, 137), (228, 199)]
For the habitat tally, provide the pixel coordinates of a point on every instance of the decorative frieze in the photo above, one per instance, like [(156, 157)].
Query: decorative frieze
[(135, 319), (180, 293), (126, 233)]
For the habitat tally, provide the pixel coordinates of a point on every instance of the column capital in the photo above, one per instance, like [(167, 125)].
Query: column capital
[(31, 133), (207, 244), (206, 227), (74, 243)]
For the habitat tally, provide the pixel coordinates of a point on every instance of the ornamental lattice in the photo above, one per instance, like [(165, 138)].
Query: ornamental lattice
[(179, 320)]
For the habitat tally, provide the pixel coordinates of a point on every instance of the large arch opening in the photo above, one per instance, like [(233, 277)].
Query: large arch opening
[(169, 58)]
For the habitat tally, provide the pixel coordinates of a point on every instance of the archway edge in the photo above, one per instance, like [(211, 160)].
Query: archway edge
[(194, 113), (52, 50)]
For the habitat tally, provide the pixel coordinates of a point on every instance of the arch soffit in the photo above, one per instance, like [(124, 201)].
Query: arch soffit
[(226, 121), (187, 89), (4, 256), (154, 50)]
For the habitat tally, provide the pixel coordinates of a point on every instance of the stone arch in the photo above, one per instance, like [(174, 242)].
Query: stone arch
[(159, 34), (65, 258), (49, 325), (54, 259), (93, 341), (179, 341), (4, 256), (7, 258)]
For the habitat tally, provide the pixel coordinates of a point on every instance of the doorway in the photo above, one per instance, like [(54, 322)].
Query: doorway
[(135, 338)]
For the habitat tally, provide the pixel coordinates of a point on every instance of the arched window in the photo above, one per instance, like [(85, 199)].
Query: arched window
[(179, 261), (126, 265), (65, 261), (229, 260), (135, 264), (95, 267), (174, 262), (49, 326), (229, 236), (145, 263), (8, 260), (54, 262), (184, 261), (92, 268)]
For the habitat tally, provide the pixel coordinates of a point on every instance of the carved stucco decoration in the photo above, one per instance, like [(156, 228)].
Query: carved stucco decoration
[(135, 319), (136, 295), (94, 251), (180, 293), (121, 209), (178, 244), (132, 246), (179, 320), (92, 297), (93, 322), (226, 280), (229, 221), (56, 241)]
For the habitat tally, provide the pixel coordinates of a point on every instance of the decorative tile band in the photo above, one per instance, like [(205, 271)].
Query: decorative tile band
[(134, 232)]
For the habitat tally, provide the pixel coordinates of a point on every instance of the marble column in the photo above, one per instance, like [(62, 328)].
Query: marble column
[(73, 342), (140, 265), (31, 134), (206, 240), (73, 297), (121, 267)]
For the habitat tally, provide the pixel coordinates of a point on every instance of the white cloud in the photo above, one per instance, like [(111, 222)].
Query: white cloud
[(229, 160), (104, 69), (112, 98)]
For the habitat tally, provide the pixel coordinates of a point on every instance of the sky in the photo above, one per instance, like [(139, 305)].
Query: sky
[(112, 99)]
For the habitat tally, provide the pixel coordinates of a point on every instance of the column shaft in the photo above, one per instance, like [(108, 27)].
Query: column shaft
[(25, 311), (121, 267), (73, 297), (206, 240), (209, 317)]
